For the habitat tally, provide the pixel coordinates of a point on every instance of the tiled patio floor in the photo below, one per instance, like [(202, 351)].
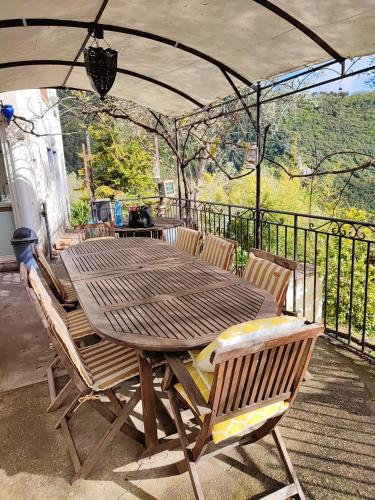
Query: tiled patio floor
[(329, 432)]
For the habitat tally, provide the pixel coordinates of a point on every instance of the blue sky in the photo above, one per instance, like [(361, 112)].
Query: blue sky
[(351, 84)]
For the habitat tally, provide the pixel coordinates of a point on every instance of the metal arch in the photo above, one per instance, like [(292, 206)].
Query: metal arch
[(14, 23), (301, 27), (48, 62), (87, 38)]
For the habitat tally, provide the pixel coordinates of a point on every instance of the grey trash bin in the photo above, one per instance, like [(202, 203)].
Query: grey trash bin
[(22, 239)]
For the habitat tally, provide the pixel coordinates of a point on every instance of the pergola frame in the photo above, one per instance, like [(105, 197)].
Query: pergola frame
[(228, 73), (256, 122)]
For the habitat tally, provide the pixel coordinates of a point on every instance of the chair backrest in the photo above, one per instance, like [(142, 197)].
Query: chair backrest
[(219, 251), (260, 373), (270, 272), (58, 329), (38, 287), (99, 230), (52, 280), (24, 280), (41, 293), (189, 240)]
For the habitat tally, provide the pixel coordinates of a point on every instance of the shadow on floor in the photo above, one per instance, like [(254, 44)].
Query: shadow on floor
[(329, 433)]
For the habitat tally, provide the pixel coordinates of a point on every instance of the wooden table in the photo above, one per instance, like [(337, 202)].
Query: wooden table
[(147, 294), (161, 226)]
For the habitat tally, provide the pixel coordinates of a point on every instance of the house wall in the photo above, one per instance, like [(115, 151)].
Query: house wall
[(36, 165)]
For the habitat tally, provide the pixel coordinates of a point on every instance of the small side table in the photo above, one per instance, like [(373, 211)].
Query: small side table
[(161, 224)]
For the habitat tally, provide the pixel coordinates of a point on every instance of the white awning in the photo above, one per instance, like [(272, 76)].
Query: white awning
[(172, 53)]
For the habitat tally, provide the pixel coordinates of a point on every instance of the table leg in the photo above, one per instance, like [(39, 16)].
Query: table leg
[(148, 403)]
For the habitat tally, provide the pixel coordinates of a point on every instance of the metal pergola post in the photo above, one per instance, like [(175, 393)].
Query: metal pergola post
[(257, 232), (178, 166), (257, 128), (257, 89)]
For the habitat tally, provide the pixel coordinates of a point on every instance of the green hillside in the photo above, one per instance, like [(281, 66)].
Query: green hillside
[(327, 123), (305, 127)]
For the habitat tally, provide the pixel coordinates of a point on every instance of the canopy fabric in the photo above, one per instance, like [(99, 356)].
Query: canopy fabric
[(172, 53)]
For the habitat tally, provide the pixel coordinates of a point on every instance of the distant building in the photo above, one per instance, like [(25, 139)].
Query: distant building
[(32, 171)]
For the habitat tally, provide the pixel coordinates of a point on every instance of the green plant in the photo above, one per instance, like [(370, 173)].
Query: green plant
[(79, 213), (120, 162), (240, 259), (105, 192)]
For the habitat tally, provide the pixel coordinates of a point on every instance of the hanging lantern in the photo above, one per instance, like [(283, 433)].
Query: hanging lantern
[(101, 64), (251, 155), (101, 68)]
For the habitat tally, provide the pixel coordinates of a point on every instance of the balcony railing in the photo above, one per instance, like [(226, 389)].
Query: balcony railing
[(335, 279)]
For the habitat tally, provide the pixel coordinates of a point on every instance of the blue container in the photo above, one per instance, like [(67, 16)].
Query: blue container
[(23, 238), (119, 221)]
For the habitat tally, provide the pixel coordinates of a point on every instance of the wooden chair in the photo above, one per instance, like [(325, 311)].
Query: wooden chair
[(189, 240), (62, 289), (252, 387), (98, 231), (270, 272), (75, 321), (219, 252), (94, 372)]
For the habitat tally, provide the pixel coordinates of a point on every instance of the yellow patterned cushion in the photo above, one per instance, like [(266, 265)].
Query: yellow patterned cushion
[(265, 328), (231, 426)]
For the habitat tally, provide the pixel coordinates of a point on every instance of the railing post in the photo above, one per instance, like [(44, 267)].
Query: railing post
[(258, 170), (178, 164), (295, 256), (229, 221)]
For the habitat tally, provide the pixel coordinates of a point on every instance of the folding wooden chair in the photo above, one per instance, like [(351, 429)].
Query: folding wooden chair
[(249, 392), (219, 252), (189, 240), (76, 322), (62, 289), (98, 231), (95, 371), (270, 272)]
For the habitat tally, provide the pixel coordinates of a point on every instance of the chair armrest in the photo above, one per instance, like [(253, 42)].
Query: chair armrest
[(194, 394)]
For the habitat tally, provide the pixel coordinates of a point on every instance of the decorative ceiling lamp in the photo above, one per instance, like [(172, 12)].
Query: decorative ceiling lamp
[(101, 64)]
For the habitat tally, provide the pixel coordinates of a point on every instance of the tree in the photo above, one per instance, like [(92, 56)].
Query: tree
[(217, 140), (119, 162)]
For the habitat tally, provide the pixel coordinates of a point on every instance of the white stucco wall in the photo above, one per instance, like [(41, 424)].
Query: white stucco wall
[(37, 166)]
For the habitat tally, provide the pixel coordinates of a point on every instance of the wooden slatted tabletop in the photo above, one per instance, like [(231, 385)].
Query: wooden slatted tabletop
[(110, 256), (149, 295)]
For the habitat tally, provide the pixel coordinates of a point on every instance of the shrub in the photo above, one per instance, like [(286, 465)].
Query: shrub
[(79, 213), (105, 192)]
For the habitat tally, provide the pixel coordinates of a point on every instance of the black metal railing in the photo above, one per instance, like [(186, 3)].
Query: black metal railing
[(335, 280)]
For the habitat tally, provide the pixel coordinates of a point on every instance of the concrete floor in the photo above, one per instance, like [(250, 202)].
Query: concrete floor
[(24, 351), (329, 432)]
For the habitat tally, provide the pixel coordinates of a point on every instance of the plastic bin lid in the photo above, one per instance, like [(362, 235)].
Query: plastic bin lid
[(24, 234)]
